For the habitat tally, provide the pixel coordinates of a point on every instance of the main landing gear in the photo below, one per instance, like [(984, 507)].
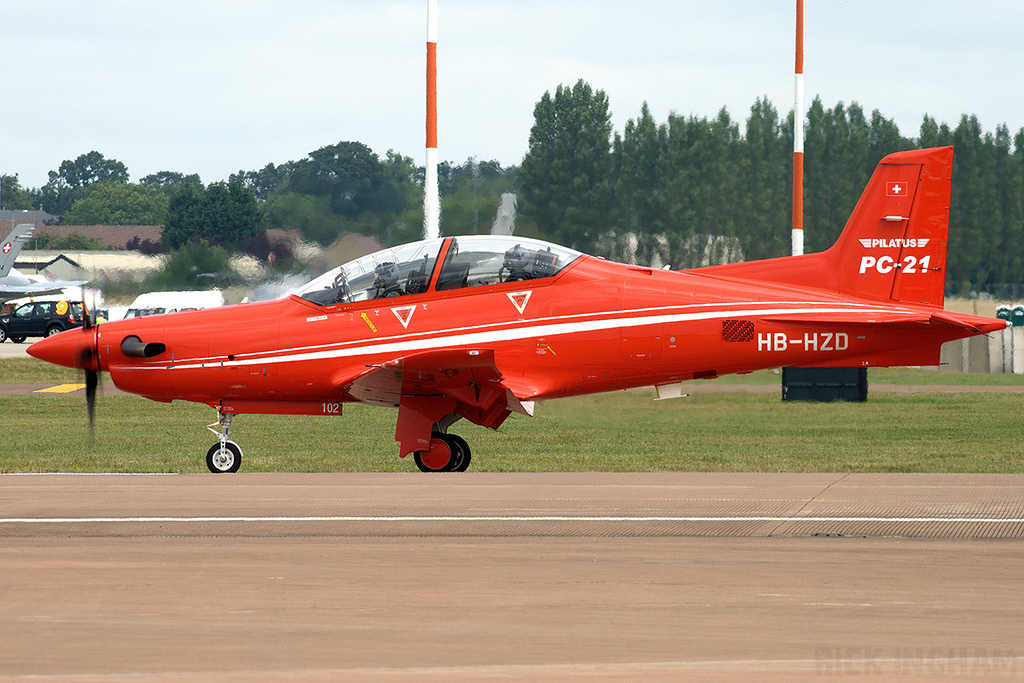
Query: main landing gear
[(225, 455), (448, 453)]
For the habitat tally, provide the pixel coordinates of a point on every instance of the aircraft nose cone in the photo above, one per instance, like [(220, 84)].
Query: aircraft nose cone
[(72, 349)]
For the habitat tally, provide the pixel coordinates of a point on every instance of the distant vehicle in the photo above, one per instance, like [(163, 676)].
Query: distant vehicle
[(152, 303), (40, 319)]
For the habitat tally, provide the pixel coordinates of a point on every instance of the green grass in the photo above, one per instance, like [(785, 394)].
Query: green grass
[(877, 376), (622, 431), (33, 371)]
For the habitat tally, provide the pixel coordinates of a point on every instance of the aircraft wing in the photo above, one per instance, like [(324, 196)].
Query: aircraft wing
[(9, 291), (431, 386), (468, 376)]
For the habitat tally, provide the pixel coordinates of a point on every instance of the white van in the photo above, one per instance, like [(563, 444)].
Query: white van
[(153, 303)]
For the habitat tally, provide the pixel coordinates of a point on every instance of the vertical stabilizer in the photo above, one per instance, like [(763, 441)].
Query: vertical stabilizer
[(894, 245), (11, 246)]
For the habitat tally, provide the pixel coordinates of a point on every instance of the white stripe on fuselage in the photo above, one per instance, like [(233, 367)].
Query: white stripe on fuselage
[(517, 330)]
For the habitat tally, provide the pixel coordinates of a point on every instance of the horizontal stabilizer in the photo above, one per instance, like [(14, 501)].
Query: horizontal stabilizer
[(974, 324), (873, 317)]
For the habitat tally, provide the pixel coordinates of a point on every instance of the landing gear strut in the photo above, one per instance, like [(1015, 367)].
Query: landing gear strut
[(225, 455), (448, 453)]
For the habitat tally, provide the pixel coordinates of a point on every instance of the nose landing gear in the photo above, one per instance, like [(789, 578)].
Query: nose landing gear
[(225, 455)]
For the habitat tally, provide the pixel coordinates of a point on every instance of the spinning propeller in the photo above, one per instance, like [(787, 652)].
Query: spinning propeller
[(89, 361)]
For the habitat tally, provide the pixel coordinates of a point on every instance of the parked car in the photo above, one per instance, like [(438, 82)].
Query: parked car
[(40, 319)]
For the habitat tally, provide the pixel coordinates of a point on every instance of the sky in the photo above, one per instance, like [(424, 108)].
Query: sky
[(218, 86)]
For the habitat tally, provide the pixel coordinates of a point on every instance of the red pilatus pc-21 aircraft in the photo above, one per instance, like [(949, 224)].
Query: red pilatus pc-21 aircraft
[(480, 327)]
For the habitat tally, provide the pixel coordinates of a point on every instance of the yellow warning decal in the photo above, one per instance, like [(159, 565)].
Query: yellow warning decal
[(366, 319)]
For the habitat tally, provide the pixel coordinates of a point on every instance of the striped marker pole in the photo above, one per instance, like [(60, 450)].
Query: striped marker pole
[(798, 136), (431, 200)]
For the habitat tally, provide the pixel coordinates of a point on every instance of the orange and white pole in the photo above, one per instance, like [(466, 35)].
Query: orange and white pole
[(798, 136), (431, 200)]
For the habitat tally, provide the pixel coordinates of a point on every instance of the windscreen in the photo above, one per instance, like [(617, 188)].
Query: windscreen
[(470, 261), (386, 273)]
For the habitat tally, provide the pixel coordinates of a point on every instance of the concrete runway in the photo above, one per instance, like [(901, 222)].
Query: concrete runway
[(511, 577), (11, 350)]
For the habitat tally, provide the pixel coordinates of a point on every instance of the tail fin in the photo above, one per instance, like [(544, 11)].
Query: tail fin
[(893, 247), (11, 246)]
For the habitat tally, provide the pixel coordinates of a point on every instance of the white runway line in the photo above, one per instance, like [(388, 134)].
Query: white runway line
[(100, 520)]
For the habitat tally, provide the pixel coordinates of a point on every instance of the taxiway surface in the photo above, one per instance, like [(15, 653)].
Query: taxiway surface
[(511, 577)]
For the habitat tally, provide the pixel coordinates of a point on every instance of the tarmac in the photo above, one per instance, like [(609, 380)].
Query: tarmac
[(511, 577), (12, 350)]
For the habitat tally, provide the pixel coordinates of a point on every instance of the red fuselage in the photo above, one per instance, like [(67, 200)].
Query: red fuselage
[(597, 326)]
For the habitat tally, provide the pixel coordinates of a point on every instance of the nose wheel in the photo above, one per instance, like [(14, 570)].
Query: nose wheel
[(448, 453), (224, 456)]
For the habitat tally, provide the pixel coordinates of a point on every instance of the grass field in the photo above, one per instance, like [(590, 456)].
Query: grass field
[(621, 431)]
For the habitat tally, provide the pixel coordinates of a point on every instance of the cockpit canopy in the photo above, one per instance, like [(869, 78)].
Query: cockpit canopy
[(409, 269)]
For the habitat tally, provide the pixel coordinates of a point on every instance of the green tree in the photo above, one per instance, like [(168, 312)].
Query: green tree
[(470, 206), (976, 214), (766, 177), (233, 213), (702, 184), (836, 169), (638, 192), (934, 135), (195, 265), (108, 203), (186, 216), (165, 180), (567, 172), (12, 195), (343, 188), (452, 176), (225, 213), (265, 181), (68, 183), (883, 139), (311, 216), (349, 173), (74, 241)]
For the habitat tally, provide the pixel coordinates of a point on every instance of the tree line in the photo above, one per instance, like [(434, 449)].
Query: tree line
[(337, 189), (692, 191), (685, 192)]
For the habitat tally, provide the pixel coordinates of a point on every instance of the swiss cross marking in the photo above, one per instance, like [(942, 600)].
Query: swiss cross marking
[(895, 189)]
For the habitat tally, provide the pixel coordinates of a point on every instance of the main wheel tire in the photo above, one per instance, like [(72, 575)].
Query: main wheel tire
[(56, 329), (224, 460), (440, 458), (19, 339), (460, 444)]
